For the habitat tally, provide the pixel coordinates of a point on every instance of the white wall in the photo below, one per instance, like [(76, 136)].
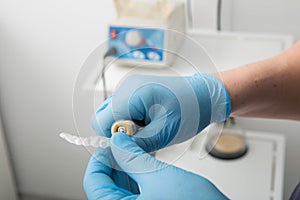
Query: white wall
[(7, 184), (42, 46), (275, 16)]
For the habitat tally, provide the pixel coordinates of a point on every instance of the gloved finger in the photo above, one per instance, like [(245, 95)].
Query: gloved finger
[(121, 106), (113, 109), (132, 158), (156, 135), (162, 118), (103, 119), (136, 96), (124, 181), (98, 182), (121, 179)]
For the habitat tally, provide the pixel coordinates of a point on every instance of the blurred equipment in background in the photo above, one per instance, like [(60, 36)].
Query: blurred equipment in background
[(231, 144), (140, 32)]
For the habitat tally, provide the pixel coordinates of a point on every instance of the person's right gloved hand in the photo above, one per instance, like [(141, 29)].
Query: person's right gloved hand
[(174, 109)]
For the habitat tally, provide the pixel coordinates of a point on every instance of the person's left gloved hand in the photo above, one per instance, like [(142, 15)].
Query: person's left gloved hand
[(103, 180), (157, 180)]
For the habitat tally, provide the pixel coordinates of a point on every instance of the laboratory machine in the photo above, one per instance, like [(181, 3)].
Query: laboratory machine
[(140, 33)]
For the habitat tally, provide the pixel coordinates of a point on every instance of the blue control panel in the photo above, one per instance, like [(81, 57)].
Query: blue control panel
[(142, 44)]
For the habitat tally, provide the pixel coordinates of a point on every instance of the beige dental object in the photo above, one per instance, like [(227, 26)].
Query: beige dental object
[(125, 126)]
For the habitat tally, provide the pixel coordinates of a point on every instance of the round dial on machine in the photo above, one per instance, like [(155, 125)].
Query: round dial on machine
[(134, 38)]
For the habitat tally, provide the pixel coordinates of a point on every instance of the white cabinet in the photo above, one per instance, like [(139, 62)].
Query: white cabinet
[(259, 174)]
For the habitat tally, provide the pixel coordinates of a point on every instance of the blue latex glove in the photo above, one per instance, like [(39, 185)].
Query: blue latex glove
[(104, 179), (157, 180), (174, 109)]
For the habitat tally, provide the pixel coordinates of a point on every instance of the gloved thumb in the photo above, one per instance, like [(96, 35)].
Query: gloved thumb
[(131, 158)]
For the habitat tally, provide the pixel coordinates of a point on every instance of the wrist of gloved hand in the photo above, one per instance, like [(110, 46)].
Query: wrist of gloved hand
[(216, 98)]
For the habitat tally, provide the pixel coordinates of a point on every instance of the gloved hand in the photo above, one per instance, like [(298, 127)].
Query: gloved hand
[(157, 180), (174, 109), (104, 179)]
